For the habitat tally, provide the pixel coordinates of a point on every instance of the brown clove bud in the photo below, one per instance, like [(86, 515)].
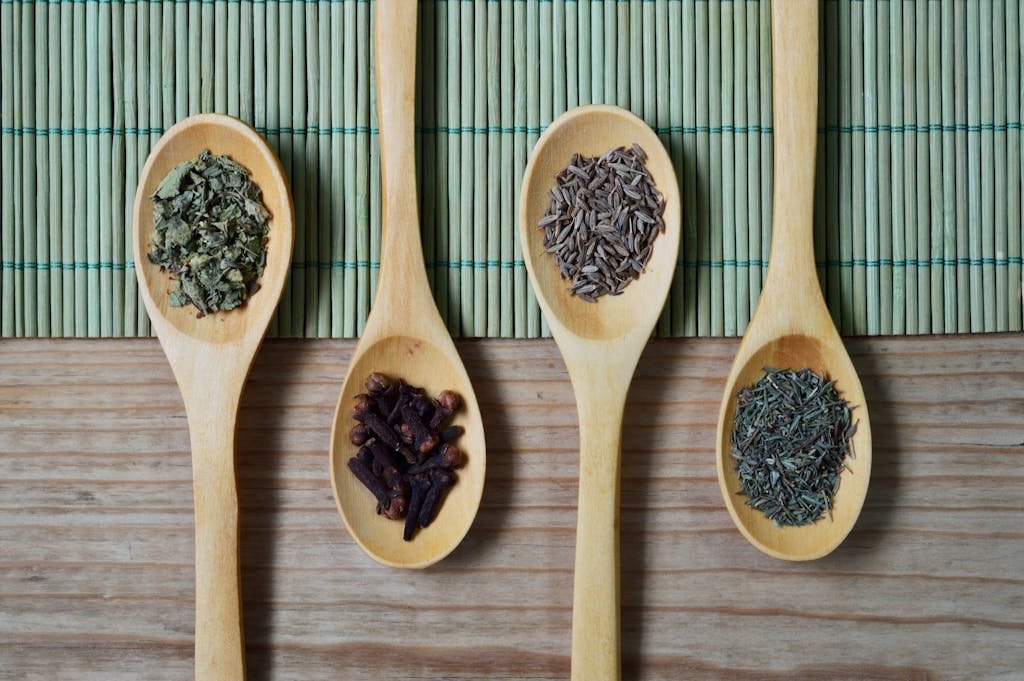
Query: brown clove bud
[(449, 457), (369, 480), (452, 433), (425, 439), (447, 402), (376, 424), (358, 435), (362, 406), (377, 383), (420, 486), (406, 432), (440, 482), (394, 508)]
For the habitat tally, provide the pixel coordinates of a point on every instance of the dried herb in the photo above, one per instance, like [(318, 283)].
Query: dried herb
[(210, 233), (604, 216), (791, 435), (405, 458)]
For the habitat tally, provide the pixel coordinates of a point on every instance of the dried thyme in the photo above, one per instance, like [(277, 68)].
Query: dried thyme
[(210, 233), (791, 435)]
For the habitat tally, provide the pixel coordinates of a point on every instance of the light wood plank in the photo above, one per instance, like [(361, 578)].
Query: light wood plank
[(96, 537)]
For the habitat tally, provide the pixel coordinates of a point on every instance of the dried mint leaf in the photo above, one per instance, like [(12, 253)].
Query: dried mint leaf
[(210, 233)]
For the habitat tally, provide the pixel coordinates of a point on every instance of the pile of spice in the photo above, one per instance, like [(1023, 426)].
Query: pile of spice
[(210, 233), (604, 216), (407, 457), (791, 435)]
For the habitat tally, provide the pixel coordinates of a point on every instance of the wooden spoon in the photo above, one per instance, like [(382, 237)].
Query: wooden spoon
[(791, 327), (210, 358), (404, 335), (601, 343)]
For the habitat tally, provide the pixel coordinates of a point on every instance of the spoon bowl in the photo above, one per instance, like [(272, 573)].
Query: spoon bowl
[(601, 343), (591, 131), (404, 335), (825, 356), (186, 140), (210, 357), (792, 327), (421, 363)]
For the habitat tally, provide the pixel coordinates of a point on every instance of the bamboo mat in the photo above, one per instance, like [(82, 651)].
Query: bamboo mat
[(919, 180)]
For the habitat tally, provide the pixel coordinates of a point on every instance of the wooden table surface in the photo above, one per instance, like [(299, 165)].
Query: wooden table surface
[(96, 573)]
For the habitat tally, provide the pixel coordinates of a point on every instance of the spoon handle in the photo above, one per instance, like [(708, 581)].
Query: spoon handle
[(219, 654), (402, 272), (795, 104), (595, 604)]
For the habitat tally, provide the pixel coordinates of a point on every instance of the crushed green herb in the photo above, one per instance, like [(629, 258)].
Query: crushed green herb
[(791, 435), (210, 233)]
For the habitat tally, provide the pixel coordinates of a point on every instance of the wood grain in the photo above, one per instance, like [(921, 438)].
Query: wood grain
[(96, 540)]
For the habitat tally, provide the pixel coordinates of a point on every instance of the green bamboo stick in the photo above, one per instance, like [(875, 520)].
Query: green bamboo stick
[(494, 291), (519, 150), (219, 36), (478, 288), (41, 162), (454, 168), (24, 197), (753, 141), (298, 125), (570, 41), (592, 58), (741, 293), (311, 299), (364, 240), (374, 172), (832, 91), (935, 188), (322, 311), (195, 62), (465, 197), (948, 175), (897, 140), (871, 168), (558, 56), (610, 19), (622, 52), (286, 150), (680, 23), (1001, 200), (765, 60), (246, 75), (910, 187), (443, 141), (234, 56), (120, 229), (1013, 165), (350, 96), (988, 238), (663, 90), (54, 270), (716, 174), (636, 57), (67, 165), (338, 236), (274, 94), (507, 182), (92, 168), (7, 173), (685, 101), (105, 251), (17, 246), (207, 91), (847, 293), (858, 234), (974, 202), (702, 168), (131, 299), (963, 269), (157, 100), (885, 174), (584, 46), (728, 191), (167, 65), (921, 136)]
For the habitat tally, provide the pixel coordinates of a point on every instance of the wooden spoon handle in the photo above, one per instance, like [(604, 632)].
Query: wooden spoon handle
[(595, 605), (402, 271), (219, 652), (795, 104)]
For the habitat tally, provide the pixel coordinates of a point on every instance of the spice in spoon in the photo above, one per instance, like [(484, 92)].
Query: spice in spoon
[(791, 435), (604, 216), (407, 456), (209, 233)]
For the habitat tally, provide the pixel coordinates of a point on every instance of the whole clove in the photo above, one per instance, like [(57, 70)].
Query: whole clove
[(406, 456)]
